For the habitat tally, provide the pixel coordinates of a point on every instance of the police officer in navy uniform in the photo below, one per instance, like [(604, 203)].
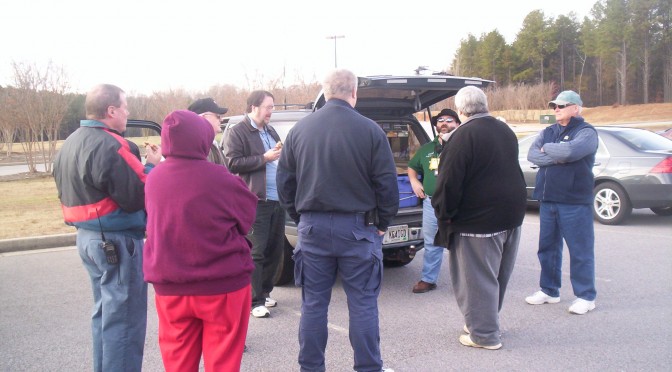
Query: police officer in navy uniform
[(335, 170)]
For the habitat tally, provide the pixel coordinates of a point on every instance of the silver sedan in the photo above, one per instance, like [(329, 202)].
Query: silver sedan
[(633, 169)]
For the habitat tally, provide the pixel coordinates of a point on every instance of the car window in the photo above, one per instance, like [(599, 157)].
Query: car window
[(139, 134), (404, 142), (524, 146), (602, 151), (643, 140)]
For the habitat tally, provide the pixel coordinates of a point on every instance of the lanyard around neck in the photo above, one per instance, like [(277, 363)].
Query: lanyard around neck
[(265, 138)]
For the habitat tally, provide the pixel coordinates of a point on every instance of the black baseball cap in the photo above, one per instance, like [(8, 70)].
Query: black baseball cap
[(207, 105), (446, 112)]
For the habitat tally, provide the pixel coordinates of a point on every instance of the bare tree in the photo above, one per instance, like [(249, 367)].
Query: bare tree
[(622, 74), (225, 96), (582, 60), (40, 106), (7, 124), (159, 105)]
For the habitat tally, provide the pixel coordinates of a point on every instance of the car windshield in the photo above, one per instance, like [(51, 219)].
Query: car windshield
[(644, 140)]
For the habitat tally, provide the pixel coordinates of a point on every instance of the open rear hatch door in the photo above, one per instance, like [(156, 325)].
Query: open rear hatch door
[(405, 95)]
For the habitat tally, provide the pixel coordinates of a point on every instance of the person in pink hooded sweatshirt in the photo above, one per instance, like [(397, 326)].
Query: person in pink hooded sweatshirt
[(197, 256)]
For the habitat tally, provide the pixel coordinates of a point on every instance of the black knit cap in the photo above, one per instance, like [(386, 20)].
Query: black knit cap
[(445, 112)]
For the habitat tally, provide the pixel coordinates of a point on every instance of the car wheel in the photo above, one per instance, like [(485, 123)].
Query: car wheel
[(662, 211), (285, 273), (611, 205)]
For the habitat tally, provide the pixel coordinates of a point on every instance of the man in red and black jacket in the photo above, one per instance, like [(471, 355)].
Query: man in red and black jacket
[(100, 182)]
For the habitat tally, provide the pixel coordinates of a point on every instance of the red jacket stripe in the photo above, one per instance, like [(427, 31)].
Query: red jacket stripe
[(81, 213), (130, 159)]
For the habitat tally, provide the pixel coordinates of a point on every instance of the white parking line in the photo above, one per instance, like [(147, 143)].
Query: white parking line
[(329, 325), (35, 251)]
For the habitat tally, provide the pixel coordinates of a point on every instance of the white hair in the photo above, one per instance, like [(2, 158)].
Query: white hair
[(471, 101), (339, 84)]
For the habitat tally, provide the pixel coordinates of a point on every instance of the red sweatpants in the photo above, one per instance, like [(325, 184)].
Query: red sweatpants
[(215, 326)]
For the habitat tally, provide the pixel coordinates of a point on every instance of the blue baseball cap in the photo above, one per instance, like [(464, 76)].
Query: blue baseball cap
[(568, 96)]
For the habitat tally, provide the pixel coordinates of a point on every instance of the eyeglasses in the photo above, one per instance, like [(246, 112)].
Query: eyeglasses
[(447, 120), (554, 106), (269, 107), (218, 116)]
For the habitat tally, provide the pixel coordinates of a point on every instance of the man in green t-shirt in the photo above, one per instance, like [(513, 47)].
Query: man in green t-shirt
[(425, 163)]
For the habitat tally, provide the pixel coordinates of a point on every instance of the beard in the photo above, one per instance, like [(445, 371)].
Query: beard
[(447, 128)]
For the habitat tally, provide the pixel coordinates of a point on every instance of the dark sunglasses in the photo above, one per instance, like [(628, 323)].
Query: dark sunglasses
[(447, 120), (553, 105)]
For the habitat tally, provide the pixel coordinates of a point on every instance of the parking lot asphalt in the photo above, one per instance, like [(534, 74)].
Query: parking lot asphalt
[(46, 305)]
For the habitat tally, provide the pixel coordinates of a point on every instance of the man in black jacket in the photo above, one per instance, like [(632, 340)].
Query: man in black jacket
[(252, 148), (337, 169), (480, 205)]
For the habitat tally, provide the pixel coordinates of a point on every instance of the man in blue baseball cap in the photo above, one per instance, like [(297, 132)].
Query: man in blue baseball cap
[(565, 154)]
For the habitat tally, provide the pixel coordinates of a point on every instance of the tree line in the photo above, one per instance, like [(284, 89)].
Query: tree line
[(620, 54), (38, 110)]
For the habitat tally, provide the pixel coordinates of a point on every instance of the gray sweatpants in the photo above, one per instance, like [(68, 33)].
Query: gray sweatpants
[(480, 268)]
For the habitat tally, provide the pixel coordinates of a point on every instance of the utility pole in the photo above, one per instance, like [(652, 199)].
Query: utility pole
[(335, 37)]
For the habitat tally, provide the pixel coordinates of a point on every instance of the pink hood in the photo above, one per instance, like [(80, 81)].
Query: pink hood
[(186, 135)]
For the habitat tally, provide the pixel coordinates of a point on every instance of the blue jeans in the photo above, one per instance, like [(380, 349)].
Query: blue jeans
[(433, 254), (574, 224), (119, 319), (331, 244)]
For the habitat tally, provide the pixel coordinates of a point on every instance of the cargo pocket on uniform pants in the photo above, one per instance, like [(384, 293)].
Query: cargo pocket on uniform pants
[(376, 278), (297, 256), (304, 231)]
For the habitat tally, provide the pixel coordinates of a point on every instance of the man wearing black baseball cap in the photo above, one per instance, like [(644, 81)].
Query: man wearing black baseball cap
[(425, 162), (210, 110)]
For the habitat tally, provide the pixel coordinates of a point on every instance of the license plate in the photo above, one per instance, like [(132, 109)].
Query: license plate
[(396, 234)]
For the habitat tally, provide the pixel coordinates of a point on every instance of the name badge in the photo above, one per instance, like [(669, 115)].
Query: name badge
[(433, 163)]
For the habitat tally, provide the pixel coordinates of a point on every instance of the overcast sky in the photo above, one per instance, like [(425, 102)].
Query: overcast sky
[(155, 45)]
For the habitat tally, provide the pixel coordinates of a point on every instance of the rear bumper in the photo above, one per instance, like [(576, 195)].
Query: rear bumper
[(655, 192), (650, 195)]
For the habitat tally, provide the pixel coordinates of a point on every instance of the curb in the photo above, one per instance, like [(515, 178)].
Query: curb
[(37, 242)]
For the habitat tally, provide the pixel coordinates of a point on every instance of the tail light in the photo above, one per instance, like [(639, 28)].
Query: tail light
[(664, 166)]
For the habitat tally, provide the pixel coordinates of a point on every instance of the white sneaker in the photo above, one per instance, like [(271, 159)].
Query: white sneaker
[(581, 306), (467, 341), (388, 370), (270, 302), (261, 312), (539, 298)]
